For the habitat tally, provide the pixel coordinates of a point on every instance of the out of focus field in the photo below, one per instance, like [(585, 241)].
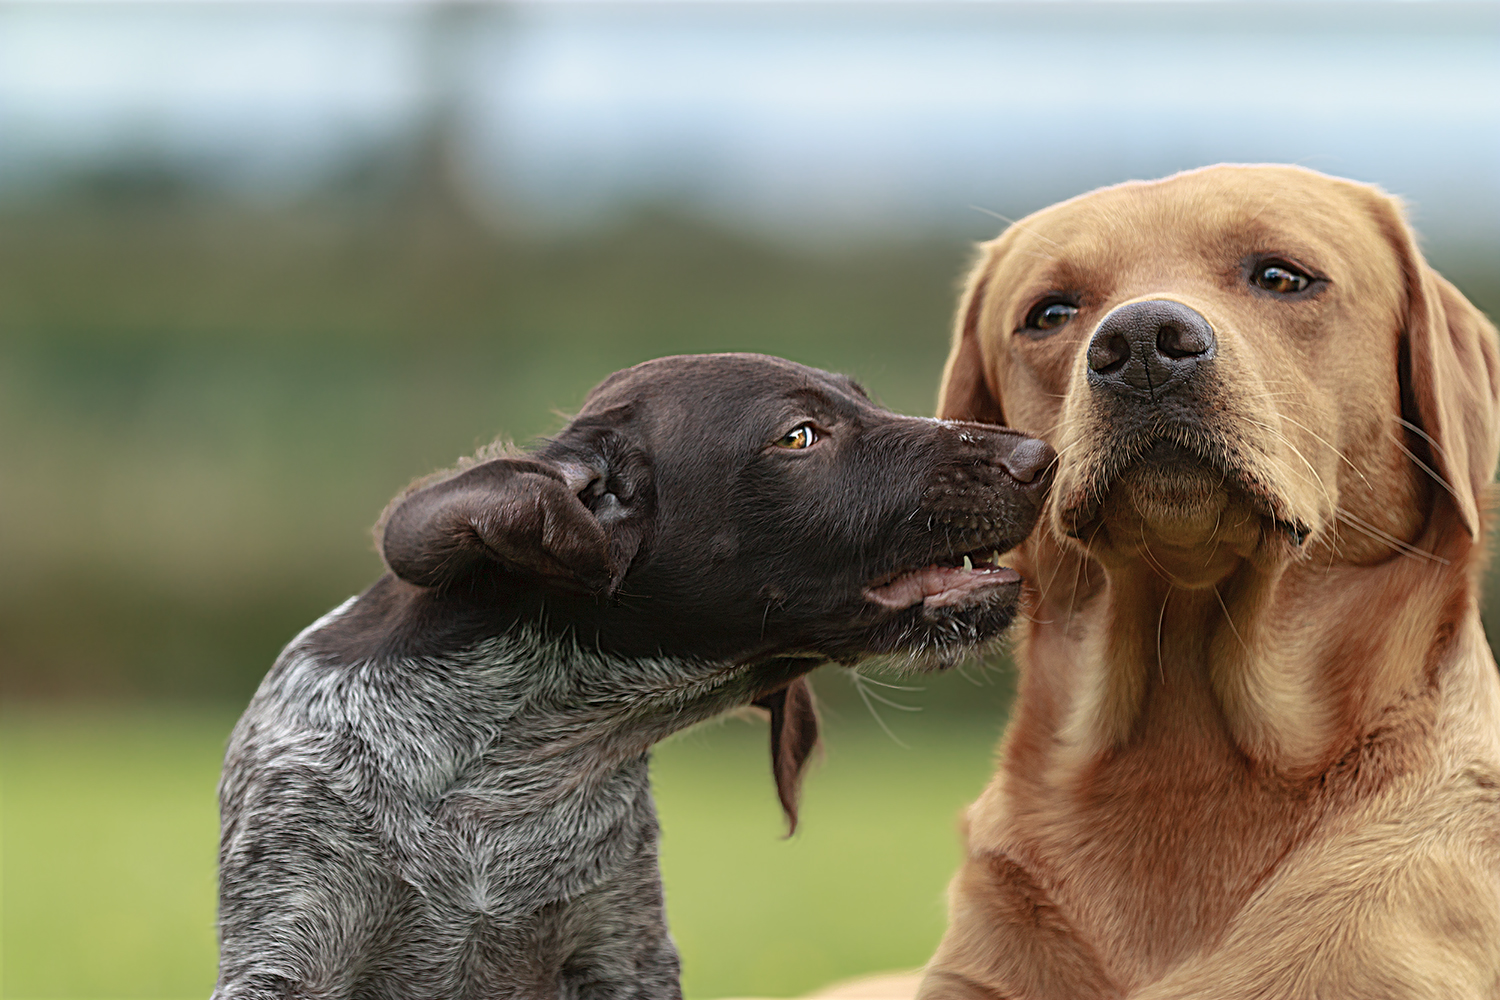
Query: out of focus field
[(109, 832), (203, 414), (205, 411), (236, 319)]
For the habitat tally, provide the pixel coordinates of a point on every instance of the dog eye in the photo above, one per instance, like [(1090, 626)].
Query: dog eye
[(801, 436), (1281, 278), (1049, 314)]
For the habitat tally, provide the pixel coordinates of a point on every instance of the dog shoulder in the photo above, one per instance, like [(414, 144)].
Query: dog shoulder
[(1408, 888)]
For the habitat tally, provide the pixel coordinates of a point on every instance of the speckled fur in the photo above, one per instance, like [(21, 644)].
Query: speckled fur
[(441, 788), (520, 825)]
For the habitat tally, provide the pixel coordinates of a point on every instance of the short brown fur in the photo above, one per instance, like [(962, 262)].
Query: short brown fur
[(1239, 765)]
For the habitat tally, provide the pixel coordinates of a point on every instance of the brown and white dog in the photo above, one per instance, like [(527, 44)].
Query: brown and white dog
[(1256, 747)]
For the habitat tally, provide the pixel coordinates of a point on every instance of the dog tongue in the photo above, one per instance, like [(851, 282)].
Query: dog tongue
[(940, 586)]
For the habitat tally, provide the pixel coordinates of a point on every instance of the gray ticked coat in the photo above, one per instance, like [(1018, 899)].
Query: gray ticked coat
[(441, 790)]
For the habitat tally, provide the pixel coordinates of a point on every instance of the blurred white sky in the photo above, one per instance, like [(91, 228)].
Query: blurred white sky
[(790, 119)]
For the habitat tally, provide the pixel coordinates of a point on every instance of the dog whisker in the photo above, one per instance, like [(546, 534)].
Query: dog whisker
[(1329, 445), (1161, 617), (1078, 571), (1046, 589), (1230, 619), (864, 696), (1431, 441), (1429, 470), (862, 671), (1014, 223), (1405, 548), (888, 702), (1274, 432), (1155, 564)]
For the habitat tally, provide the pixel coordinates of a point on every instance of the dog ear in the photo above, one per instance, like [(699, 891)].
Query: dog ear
[(794, 735), (965, 393), (517, 513), (1451, 388)]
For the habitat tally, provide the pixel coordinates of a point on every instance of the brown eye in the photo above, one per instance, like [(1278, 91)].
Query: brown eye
[(1049, 314), (1281, 278), (801, 436)]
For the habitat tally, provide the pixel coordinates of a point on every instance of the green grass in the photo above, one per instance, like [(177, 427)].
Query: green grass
[(109, 832)]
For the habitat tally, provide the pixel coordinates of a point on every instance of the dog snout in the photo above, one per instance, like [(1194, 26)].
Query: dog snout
[(1151, 348), (1030, 462), (983, 451)]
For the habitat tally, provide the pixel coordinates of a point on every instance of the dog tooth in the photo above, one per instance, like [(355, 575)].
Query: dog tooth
[(967, 564)]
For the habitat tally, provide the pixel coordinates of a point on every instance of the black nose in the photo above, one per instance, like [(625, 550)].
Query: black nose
[(1151, 347)]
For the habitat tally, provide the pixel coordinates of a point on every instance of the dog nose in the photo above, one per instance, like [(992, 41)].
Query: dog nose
[(1028, 460), (1149, 347)]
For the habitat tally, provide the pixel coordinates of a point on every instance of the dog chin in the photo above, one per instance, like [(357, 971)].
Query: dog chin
[(1182, 503), (1163, 487), (931, 637), (1172, 499)]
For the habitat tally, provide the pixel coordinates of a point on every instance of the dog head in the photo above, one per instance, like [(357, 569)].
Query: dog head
[(1232, 362), (740, 510)]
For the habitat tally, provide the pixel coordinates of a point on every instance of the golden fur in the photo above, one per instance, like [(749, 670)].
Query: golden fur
[(1240, 766)]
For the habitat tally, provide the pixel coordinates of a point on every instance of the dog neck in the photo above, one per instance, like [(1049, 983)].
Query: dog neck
[(1113, 657), (532, 752), (1168, 746)]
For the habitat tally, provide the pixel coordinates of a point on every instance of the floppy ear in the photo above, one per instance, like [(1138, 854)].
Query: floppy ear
[(794, 734), (965, 393), (1453, 383), (516, 513)]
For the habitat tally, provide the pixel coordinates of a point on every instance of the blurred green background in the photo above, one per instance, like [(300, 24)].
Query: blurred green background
[(209, 426), (234, 323)]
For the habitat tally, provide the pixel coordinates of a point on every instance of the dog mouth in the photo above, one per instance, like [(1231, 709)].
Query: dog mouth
[(1171, 479), (956, 580)]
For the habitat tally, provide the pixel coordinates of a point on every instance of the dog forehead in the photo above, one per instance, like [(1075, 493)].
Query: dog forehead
[(1171, 228), (730, 393)]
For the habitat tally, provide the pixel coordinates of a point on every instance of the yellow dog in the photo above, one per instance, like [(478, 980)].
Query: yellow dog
[(1256, 747)]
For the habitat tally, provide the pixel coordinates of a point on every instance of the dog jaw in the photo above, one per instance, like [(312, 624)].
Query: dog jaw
[(945, 586), (1196, 511)]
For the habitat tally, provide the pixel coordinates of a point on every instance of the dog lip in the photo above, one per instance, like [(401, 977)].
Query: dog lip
[(985, 554), (1165, 454), (1156, 452), (940, 586)]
